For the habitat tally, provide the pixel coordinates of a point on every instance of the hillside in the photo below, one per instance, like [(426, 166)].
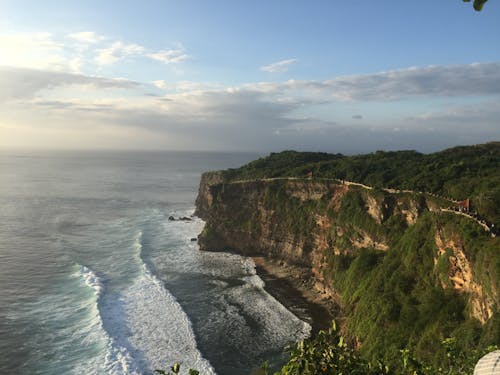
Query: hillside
[(406, 271)]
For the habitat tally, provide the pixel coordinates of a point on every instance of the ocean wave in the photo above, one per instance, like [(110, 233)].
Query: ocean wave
[(117, 359), (157, 324), (91, 280)]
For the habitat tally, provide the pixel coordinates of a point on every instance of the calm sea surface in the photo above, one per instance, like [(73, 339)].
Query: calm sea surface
[(94, 278)]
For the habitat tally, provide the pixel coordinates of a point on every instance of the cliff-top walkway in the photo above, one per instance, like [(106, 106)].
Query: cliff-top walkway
[(487, 227)]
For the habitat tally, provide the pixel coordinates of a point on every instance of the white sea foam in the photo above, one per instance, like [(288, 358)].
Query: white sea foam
[(157, 325), (117, 359), (91, 280), (254, 320)]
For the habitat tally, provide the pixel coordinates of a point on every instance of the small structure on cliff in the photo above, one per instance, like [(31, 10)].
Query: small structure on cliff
[(463, 206)]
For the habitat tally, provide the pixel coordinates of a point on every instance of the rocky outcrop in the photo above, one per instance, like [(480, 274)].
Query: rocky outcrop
[(205, 197), (461, 276)]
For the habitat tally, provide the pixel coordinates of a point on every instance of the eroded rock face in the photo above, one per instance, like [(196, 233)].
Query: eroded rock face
[(364, 240), (462, 277), (308, 191), (410, 213), (374, 209), (205, 197), (304, 223)]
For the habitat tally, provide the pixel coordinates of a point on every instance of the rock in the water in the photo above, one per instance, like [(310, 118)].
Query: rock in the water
[(194, 239), (185, 218), (171, 218)]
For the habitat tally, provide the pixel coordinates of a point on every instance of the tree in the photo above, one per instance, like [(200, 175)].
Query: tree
[(478, 4)]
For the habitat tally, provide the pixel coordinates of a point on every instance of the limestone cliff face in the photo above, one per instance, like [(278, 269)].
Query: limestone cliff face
[(462, 277), (307, 222), (296, 221)]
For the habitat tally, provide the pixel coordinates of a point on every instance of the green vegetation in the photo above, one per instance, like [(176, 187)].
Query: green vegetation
[(176, 368), (329, 354), (459, 173), (395, 299), (478, 4)]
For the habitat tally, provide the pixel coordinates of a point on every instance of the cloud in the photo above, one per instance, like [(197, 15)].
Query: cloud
[(87, 37), (75, 52), (357, 117), (21, 83), (452, 80), (185, 86), (431, 81), (32, 50), (261, 116), (279, 67), (118, 51), (172, 56)]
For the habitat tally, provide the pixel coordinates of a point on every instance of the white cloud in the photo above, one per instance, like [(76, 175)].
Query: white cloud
[(279, 67), (449, 80), (22, 83), (74, 52), (32, 50), (87, 37), (172, 56), (431, 81), (118, 51), (185, 86), (161, 84)]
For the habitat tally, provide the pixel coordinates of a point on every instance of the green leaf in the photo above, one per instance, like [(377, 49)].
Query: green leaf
[(478, 4)]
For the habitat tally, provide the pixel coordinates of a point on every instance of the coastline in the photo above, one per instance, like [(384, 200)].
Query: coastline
[(293, 288)]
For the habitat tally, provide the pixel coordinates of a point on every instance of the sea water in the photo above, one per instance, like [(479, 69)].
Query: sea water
[(95, 278)]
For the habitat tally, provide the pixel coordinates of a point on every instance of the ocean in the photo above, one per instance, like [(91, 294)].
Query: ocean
[(95, 278)]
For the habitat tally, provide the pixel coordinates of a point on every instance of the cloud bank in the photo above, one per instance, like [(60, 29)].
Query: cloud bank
[(264, 116), (23, 83), (431, 81)]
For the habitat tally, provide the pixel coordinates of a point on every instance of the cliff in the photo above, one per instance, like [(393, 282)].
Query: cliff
[(407, 273)]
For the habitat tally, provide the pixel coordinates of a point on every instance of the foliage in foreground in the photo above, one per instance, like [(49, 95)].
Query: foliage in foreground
[(176, 368), (328, 353)]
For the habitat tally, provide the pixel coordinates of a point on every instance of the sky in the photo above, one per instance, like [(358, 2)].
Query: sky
[(337, 76)]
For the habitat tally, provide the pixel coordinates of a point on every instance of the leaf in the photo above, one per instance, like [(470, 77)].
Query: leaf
[(478, 4), (176, 367)]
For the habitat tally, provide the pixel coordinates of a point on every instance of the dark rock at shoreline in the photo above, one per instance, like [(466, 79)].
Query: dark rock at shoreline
[(184, 218), (194, 239)]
